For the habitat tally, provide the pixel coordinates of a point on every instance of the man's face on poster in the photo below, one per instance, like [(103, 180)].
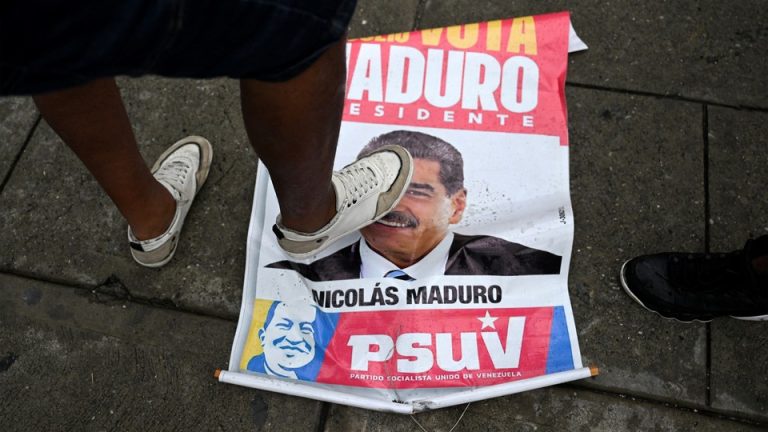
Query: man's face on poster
[(420, 220), (288, 339)]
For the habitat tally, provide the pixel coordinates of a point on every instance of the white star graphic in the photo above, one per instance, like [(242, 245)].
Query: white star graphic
[(488, 320)]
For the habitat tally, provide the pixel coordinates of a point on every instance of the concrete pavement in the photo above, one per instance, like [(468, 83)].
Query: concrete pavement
[(668, 115)]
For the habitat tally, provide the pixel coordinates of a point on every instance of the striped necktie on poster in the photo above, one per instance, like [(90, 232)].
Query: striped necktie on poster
[(399, 274)]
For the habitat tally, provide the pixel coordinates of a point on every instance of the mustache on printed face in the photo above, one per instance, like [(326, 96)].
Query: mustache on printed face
[(398, 219), (286, 345)]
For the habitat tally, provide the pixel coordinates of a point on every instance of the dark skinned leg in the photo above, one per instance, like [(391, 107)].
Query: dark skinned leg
[(294, 128), (292, 125), (92, 121)]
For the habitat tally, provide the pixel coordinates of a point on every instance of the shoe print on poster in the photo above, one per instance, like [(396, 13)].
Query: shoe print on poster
[(460, 292)]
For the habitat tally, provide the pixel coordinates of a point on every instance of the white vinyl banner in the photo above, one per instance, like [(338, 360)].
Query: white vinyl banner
[(460, 292)]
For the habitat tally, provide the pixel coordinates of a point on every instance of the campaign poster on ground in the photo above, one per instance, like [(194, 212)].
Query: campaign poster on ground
[(460, 292)]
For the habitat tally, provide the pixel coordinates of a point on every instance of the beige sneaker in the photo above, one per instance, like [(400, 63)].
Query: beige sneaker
[(366, 190), (182, 169)]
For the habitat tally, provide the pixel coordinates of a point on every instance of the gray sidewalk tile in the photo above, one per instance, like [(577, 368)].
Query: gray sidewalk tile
[(74, 361), (373, 18), (552, 409), (61, 226), (632, 159), (738, 157), (709, 50), (17, 116), (737, 185), (740, 368)]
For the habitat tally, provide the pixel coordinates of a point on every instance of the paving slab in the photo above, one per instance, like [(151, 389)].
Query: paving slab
[(637, 187), (17, 116), (738, 209), (71, 360), (374, 18), (737, 176), (709, 50), (60, 225), (552, 409)]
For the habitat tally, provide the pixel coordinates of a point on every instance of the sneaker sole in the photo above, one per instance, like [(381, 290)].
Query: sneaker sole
[(206, 155), (752, 318), (387, 201)]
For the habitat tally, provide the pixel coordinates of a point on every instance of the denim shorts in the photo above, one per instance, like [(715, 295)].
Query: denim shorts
[(48, 45)]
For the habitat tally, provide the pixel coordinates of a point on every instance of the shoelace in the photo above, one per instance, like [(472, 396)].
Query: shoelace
[(174, 173), (358, 180)]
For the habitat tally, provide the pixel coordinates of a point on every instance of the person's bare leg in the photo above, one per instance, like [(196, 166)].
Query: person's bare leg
[(294, 127), (92, 121)]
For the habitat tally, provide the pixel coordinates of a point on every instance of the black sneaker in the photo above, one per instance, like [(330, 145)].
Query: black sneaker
[(696, 286)]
